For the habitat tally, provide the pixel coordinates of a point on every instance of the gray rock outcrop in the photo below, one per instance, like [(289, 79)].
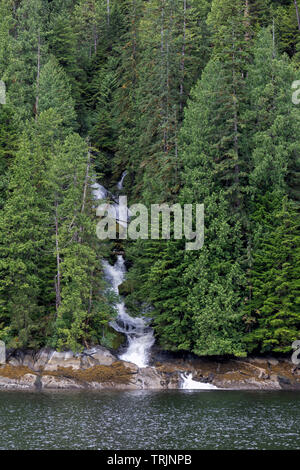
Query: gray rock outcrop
[(97, 369)]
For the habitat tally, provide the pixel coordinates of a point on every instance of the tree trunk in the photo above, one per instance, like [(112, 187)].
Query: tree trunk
[(108, 11), (273, 38), (95, 38), (86, 181), (162, 33), (38, 74), (182, 63), (247, 20), (235, 121), (297, 14), (168, 94), (58, 274), (134, 42)]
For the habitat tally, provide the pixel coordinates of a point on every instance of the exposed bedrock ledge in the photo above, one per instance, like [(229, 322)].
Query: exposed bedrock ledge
[(98, 369), (50, 360)]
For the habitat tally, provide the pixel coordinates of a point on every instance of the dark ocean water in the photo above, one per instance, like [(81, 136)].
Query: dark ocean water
[(180, 420)]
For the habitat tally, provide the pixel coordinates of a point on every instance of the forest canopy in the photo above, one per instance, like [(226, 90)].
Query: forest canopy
[(193, 98)]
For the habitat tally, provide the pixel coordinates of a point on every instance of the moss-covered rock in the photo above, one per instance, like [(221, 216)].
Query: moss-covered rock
[(116, 373), (126, 288), (112, 339), (14, 372), (118, 340)]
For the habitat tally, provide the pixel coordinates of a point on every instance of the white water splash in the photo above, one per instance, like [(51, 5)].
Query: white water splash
[(99, 192), (189, 384)]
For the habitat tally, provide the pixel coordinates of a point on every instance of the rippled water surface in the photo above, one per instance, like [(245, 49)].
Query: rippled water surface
[(150, 420)]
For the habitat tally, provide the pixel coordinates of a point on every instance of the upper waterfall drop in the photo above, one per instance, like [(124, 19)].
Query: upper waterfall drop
[(139, 335), (120, 183)]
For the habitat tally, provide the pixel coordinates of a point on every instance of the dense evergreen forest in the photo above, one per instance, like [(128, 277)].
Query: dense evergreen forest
[(193, 98)]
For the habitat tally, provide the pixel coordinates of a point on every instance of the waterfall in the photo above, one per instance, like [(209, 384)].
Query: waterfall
[(189, 384), (120, 183), (139, 335), (99, 192)]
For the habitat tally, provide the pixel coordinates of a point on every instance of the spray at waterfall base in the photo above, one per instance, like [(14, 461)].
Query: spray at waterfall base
[(114, 220)]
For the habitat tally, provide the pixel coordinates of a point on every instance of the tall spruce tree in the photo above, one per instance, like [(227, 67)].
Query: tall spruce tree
[(8, 146), (272, 313), (27, 51), (25, 290), (81, 311), (214, 162)]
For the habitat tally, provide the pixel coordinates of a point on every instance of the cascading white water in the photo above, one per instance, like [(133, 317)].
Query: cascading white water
[(99, 192), (139, 335), (189, 384)]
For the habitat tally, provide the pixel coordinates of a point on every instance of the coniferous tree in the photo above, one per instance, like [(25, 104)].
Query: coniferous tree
[(214, 160), (55, 92), (81, 310), (25, 246), (8, 146), (166, 50), (26, 54), (271, 310), (274, 309), (120, 73)]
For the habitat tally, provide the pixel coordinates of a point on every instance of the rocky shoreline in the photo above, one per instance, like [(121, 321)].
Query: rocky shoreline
[(99, 368)]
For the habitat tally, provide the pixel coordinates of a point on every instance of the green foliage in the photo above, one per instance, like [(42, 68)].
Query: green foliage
[(272, 311), (274, 306), (193, 99), (26, 51), (55, 93), (240, 136), (166, 49), (24, 240), (81, 310), (8, 147)]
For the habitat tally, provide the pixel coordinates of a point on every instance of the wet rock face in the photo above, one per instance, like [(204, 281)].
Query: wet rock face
[(50, 382), (62, 359), (98, 369), (99, 356), (16, 378), (27, 382), (151, 378), (253, 374)]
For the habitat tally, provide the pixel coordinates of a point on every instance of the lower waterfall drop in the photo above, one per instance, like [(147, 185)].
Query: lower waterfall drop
[(189, 384), (139, 335)]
